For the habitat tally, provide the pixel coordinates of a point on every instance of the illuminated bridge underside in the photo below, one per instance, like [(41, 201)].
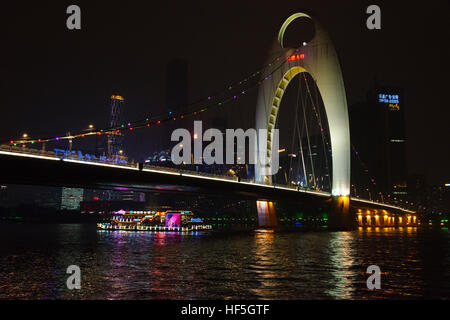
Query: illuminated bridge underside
[(321, 62)]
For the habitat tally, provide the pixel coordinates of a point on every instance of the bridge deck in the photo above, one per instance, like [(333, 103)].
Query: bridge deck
[(46, 168)]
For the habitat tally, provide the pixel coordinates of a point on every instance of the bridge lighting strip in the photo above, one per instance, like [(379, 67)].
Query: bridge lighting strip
[(28, 155), (162, 172), (100, 164), (207, 178), (382, 204), (285, 188), (323, 194), (256, 184)]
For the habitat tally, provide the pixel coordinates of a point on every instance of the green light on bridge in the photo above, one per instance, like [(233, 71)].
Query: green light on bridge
[(299, 215)]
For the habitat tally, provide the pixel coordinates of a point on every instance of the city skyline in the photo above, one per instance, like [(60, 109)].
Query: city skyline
[(142, 80)]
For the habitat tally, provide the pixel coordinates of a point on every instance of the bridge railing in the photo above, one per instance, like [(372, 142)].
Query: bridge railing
[(160, 168), (189, 172), (66, 156), (96, 160), (208, 175), (31, 151)]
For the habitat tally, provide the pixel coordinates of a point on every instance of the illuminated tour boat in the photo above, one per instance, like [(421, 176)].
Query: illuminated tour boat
[(171, 220)]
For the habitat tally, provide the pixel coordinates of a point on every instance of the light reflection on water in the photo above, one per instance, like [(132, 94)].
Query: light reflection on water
[(222, 265), (342, 260)]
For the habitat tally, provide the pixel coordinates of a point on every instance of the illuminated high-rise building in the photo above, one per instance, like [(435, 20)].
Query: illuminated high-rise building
[(391, 139), (378, 134), (115, 141)]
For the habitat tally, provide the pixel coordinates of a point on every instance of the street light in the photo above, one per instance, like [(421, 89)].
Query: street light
[(25, 136)]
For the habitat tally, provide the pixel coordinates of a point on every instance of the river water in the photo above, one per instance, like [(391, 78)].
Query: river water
[(414, 263)]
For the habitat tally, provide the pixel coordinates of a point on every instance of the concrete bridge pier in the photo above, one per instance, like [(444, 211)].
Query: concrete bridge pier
[(267, 217), (341, 218)]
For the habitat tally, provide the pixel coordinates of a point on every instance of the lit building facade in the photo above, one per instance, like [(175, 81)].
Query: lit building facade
[(115, 141), (71, 198), (378, 135)]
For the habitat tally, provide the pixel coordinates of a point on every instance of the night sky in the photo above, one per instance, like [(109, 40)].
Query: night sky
[(55, 80)]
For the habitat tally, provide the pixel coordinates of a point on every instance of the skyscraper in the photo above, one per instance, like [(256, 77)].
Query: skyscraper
[(177, 85), (115, 141), (378, 134), (176, 94), (390, 106)]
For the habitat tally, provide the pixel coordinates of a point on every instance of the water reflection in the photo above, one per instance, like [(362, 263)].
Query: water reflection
[(264, 263), (398, 254), (341, 253), (415, 263)]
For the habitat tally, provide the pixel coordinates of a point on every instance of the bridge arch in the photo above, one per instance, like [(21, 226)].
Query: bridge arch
[(321, 62)]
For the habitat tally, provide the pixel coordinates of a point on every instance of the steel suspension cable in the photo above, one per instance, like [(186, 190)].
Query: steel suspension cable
[(308, 138), (300, 138), (294, 133)]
